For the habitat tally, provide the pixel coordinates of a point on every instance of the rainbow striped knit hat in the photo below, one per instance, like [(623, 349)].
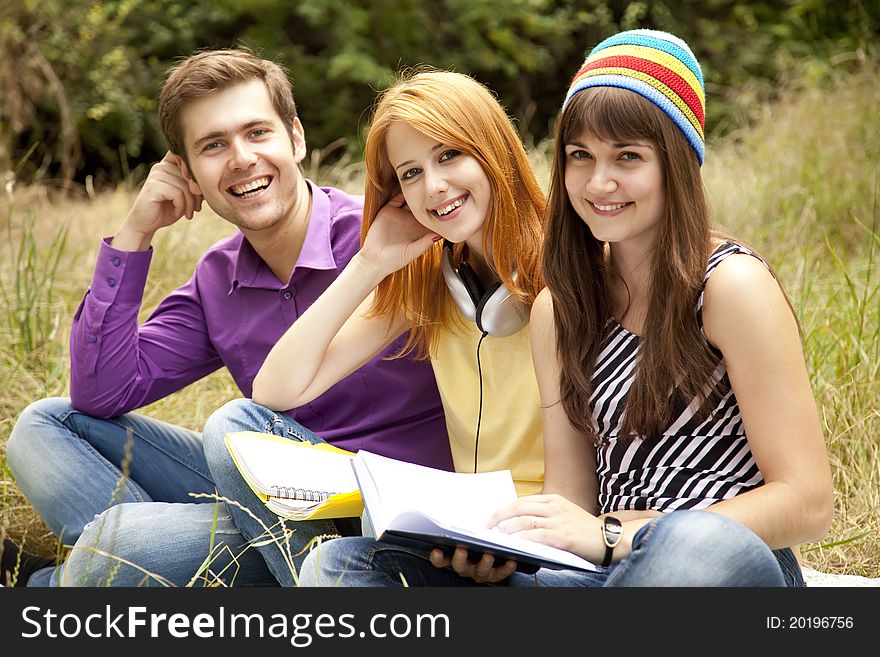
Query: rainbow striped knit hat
[(656, 65)]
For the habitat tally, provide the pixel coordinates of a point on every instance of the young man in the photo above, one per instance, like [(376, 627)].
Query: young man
[(236, 143)]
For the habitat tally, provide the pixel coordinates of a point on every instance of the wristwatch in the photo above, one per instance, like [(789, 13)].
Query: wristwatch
[(612, 532)]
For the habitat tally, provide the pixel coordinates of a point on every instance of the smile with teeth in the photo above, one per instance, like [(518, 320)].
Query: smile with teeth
[(244, 190), (446, 209), (609, 207)]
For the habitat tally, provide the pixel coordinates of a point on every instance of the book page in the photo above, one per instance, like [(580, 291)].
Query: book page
[(466, 500), (268, 462)]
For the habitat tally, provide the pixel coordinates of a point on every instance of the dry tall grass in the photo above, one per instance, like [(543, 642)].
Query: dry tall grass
[(801, 184)]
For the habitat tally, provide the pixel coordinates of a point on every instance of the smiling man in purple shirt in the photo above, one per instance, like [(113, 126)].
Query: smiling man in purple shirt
[(236, 143)]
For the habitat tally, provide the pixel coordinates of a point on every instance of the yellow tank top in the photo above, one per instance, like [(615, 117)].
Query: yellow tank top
[(510, 428)]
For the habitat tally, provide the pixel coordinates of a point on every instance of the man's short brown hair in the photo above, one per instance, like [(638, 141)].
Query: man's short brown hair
[(215, 70)]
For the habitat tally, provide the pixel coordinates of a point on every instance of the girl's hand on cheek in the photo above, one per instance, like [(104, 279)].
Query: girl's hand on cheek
[(396, 238)]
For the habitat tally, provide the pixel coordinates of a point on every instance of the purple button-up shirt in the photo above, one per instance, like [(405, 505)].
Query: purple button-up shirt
[(229, 314)]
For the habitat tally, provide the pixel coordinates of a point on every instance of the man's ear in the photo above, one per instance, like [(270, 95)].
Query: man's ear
[(298, 137), (187, 176)]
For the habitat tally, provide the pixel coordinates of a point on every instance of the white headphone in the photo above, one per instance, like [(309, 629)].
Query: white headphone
[(495, 310)]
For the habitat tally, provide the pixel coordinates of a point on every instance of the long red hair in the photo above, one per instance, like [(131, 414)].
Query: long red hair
[(457, 111)]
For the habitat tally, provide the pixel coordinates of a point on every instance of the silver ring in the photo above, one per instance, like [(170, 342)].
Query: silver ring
[(534, 524)]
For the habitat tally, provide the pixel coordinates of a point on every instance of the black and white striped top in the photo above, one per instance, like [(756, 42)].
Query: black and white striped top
[(693, 464)]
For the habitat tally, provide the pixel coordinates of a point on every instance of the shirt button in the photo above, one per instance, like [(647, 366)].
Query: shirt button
[(288, 295), (93, 338), (111, 282), (116, 261)]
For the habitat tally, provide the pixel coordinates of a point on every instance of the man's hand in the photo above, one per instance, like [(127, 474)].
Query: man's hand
[(166, 196)]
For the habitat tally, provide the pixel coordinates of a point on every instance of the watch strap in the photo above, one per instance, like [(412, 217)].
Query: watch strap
[(612, 532)]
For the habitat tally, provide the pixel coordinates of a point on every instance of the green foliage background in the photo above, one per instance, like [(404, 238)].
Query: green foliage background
[(79, 78)]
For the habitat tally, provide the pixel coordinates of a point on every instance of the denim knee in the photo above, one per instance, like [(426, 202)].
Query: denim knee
[(246, 415), (697, 548), (21, 446), (160, 543), (95, 558), (328, 563), (235, 415), (310, 569)]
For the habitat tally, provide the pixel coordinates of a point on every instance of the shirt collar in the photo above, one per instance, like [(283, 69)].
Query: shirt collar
[(316, 253)]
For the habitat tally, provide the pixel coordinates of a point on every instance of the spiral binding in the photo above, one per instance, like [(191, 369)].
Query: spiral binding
[(304, 494)]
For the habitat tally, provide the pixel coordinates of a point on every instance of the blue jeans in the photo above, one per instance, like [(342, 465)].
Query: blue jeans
[(70, 467), (160, 544), (682, 548), (282, 544)]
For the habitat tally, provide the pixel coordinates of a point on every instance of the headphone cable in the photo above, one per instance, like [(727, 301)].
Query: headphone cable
[(480, 411)]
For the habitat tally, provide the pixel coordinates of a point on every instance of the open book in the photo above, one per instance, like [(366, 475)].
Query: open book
[(297, 480), (413, 505)]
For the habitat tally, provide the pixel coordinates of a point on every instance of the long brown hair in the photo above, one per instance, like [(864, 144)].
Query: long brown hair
[(675, 361), (458, 111)]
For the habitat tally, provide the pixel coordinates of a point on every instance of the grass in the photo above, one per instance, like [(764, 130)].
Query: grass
[(801, 183)]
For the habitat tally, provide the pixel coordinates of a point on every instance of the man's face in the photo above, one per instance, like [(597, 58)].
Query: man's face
[(242, 158)]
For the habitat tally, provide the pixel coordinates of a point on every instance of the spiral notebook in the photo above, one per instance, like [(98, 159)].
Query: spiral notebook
[(297, 480)]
